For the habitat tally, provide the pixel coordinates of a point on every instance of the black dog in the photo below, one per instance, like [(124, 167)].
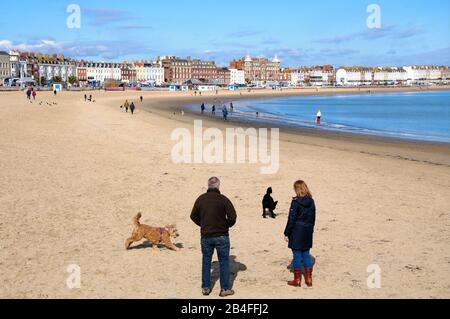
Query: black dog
[(269, 205)]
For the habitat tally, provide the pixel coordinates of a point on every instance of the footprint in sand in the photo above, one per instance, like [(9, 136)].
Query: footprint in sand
[(414, 268)]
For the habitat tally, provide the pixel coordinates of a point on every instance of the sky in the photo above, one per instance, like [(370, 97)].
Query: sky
[(300, 32)]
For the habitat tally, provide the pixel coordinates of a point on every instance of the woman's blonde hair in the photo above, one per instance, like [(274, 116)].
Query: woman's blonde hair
[(301, 189)]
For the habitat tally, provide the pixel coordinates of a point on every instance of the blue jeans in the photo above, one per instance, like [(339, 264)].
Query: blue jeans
[(302, 257), (222, 245)]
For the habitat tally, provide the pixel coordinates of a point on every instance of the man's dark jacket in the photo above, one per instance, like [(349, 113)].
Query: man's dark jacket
[(214, 213)]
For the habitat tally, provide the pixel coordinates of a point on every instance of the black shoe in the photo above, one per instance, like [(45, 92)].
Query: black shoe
[(226, 293), (206, 292)]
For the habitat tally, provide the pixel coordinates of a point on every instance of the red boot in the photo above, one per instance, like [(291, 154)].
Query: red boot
[(297, 282), (308, 277)]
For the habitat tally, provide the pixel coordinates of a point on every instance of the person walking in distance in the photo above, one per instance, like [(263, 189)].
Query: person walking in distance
[(126, 105), (202, 108), (225, 113), (215, 214), (132, 108)]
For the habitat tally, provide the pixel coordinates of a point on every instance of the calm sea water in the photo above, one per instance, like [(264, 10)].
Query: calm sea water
[(418, 115)]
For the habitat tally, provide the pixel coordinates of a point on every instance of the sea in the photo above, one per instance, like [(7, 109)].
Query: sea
[(421, 115)]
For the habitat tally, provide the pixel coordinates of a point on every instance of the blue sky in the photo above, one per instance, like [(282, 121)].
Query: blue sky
[(301, 32)]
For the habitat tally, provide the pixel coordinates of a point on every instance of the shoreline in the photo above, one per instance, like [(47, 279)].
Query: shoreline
[(431, 152)]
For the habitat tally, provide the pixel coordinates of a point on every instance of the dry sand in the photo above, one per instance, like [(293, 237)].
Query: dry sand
[(74, 174)]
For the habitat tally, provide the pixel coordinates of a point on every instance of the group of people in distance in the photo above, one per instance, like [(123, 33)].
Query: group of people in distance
[(31, 92), (131, 106), (225, 111), (215, 214)]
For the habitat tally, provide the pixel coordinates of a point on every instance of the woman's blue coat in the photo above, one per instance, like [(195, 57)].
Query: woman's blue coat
[(300, 225)]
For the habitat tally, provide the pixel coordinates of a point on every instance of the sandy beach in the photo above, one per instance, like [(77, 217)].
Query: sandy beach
[(75, 173)]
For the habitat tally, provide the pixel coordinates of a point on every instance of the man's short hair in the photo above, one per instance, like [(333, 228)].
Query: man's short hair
[(213, 183)]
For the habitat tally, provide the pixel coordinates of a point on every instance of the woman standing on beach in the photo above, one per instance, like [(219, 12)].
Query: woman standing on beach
[(299, 233)]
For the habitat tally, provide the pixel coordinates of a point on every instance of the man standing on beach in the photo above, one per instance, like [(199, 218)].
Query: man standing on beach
[(215, 214)]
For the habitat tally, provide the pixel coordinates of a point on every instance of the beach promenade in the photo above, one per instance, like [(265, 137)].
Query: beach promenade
[(75, 173)]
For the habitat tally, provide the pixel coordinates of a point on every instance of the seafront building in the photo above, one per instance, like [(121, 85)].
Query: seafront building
[(5, 66), (14, 58), (408, 75), (285, 76), (423, 75), (205, 71), (176, 70), (258, 70), (97, 73), (40, 69), (299, 77), (237, 77), (322, 75), (354, 76), (151, 73), (389, 76)]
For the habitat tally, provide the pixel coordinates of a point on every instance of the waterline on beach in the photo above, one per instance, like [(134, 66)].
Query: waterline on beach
[(423, 116)]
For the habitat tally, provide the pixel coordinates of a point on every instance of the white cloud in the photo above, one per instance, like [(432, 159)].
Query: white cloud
[(110, 50), (42, 45)]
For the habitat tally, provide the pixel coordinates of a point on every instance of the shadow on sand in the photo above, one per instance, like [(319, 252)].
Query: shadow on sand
[(291, 268), (235, 268), (146, 245)]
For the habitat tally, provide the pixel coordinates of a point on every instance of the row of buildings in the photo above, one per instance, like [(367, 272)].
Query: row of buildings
[(172, 70)]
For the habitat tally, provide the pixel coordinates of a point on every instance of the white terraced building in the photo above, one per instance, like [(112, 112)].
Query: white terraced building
[(389, 76), (152, 72), (354, 76), (15, 63), (62, 69), (299, 77), (102, 71), (321, 75), (237, 76), (427, 74)]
